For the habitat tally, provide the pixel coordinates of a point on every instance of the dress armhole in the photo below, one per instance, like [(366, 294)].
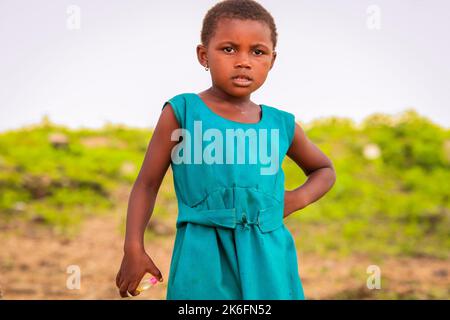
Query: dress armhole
[(290, 128), (178, 106)]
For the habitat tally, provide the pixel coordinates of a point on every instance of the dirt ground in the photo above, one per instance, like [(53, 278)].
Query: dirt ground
[(33, 265)]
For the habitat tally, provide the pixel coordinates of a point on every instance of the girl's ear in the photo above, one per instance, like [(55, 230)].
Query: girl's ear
[(274, 56), (202, 55)]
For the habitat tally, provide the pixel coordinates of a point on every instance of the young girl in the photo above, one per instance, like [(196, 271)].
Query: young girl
[(231, 241)]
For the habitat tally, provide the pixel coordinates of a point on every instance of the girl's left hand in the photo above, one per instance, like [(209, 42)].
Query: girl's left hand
[(288, 205), (292, 202)]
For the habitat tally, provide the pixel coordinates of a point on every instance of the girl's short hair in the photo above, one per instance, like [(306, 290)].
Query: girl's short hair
[(236, 9)]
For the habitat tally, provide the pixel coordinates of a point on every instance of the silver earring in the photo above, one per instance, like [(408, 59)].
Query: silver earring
[(206, 68)]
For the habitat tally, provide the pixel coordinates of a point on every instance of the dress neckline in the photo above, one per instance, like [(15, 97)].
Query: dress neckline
[(204, 105)]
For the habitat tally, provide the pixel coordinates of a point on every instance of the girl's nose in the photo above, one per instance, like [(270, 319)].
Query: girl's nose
[(243, 61)]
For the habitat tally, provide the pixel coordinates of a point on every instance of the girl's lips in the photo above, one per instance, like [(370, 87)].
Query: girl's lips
[(243, 82)]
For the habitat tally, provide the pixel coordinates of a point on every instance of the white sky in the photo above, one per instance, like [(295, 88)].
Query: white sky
[(128, 57)]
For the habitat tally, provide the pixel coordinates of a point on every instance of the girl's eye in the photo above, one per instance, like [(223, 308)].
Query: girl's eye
[(230, 50), (225, 49)]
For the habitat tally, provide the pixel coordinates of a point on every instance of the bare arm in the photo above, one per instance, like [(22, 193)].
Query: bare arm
[(146, 187), (316, 165), (136, 262)]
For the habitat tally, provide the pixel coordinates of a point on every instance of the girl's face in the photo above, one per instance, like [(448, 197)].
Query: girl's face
[(238, 47)]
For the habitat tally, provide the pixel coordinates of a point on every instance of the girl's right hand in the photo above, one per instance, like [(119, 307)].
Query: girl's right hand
[(135, 264)]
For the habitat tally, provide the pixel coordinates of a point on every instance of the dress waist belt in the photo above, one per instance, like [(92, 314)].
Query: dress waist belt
[(267, 219)]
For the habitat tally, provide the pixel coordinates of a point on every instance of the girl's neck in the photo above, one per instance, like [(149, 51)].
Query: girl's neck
[(222, 96)]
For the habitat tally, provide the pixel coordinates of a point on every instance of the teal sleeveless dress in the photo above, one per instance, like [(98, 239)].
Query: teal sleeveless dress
[(231, 241)]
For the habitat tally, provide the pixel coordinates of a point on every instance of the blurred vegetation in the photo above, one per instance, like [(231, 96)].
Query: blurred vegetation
[(392, 191), (58, 176), (391, 196)]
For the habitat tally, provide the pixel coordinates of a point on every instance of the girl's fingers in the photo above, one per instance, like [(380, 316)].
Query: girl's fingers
[(122, 280), (118, 279), (123, 289), (155, 271), (132, 288)]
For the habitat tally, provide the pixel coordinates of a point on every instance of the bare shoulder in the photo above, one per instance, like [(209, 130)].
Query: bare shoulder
[(158, 155), (167, 118)]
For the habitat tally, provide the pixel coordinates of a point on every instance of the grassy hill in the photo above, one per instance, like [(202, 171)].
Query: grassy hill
[(391, 195)]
